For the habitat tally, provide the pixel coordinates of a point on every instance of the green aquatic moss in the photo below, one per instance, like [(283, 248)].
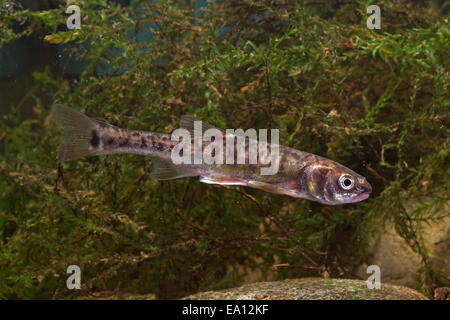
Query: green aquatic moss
[(374, 100)]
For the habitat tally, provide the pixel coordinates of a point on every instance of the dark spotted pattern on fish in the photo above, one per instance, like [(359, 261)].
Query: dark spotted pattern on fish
[(95, 141), (143, 143)]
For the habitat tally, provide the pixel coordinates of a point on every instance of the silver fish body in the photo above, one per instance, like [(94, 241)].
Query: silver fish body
[(300, 174)]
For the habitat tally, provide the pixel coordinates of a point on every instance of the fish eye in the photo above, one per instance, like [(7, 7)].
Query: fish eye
[(346, 182)]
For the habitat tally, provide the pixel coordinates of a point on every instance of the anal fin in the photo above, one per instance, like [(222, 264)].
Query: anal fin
[(166, 170)]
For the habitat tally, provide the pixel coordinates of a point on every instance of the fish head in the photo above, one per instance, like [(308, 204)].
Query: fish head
[(331, 183)]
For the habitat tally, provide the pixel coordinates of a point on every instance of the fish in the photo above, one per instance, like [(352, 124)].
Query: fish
[(300, 174)]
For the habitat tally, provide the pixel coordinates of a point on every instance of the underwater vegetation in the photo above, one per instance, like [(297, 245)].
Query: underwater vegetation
[(376, 101)]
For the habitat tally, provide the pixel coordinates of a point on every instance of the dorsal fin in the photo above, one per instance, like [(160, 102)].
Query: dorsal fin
[(187, 122), (166, 170)]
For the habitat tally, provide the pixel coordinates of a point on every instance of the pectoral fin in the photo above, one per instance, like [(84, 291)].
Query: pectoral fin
[(265, 186), (273, 188)]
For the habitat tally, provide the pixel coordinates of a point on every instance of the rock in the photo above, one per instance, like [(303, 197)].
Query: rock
[(113, 295), (311, 289), (442, 293), (399, 263)]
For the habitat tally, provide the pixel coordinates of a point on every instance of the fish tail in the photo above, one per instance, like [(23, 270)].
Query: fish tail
[(81, 134)]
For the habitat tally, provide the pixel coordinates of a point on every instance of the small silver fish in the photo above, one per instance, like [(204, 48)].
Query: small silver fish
[(300, 174)]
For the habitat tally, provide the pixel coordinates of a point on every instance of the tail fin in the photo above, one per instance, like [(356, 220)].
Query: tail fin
[(80, 133)]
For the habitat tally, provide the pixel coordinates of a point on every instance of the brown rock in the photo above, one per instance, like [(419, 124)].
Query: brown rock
[(399, 263), (311, 289), (442, 293), (113, 295)]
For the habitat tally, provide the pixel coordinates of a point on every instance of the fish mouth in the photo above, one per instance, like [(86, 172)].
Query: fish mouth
[(366, 190), (361, 197)]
